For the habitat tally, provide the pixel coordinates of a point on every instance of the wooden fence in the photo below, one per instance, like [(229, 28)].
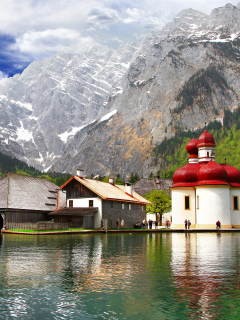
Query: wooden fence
[(37, 226)]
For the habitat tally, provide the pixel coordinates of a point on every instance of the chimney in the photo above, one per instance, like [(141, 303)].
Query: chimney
[(157, 180), (111, 180), (80, 173), (129, 189)]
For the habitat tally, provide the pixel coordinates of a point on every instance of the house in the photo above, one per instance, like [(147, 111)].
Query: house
[(90, 201), (25, 199), (204, 191)]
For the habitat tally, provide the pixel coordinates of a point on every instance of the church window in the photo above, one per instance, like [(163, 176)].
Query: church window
[(197, 201), (235, 203), (187, 202), (70, 203), (130, 206), (111, 204), (208, 154), (122, 205)]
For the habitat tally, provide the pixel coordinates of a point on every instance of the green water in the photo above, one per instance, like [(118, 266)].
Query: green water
[(120, 276)]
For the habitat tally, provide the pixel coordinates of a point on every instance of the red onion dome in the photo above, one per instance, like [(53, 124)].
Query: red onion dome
[(233, 175), (212, 173), (192, 148), (186, 176), (206, 140)]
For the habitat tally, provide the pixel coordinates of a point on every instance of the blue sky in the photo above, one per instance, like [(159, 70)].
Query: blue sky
[(35, 29)]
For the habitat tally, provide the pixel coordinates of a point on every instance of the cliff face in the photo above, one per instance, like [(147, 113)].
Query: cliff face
[(104, 110)]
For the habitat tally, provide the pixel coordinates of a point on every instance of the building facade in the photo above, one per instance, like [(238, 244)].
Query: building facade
[(25, 199), (204, 191), (104, 200)]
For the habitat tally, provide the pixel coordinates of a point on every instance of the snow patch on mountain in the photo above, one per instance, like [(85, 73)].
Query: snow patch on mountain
[(23, 134), (108, 115)]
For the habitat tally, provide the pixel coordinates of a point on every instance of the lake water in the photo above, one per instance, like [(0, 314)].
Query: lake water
[(120, 276)]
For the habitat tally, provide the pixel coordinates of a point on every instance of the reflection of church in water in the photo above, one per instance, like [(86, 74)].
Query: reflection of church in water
[(204, 191)]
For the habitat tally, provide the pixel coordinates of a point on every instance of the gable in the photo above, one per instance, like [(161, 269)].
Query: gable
[(76, 189)]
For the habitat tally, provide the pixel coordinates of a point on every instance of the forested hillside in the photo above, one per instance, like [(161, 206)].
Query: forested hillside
[(8, 164), (227, 138)]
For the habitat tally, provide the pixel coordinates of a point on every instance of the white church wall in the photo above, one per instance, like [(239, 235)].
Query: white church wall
[(214, 205), (235, 212), (179, 213)]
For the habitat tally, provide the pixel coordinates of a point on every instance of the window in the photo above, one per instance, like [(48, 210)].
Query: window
[(207, 154), (130, 206), (142, 207), (187, 202), (90, 203), (122, 205), (70, 203), (197, 202), (111, 204), (235, 203)]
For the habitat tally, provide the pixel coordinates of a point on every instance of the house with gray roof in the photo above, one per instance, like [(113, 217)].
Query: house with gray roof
[(27, 199)]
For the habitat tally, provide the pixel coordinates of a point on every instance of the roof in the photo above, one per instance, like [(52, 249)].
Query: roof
[(206, 140), (145, 185), (27, 193), (108, 191), (73, 211)]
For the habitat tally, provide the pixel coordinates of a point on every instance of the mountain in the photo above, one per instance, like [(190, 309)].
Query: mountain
[(107, 110)]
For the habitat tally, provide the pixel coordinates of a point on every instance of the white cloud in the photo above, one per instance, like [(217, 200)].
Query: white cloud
[(3, 75), (91, 29), (145, 18), (48, 41), (100, 17), (116, 39)]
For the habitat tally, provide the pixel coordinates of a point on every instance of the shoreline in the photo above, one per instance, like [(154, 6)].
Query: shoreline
[(123, 231)]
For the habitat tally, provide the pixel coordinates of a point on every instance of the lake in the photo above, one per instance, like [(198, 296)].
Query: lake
[(120, 276)]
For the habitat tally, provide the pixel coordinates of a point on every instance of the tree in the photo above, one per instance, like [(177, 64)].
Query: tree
[(161, 202)]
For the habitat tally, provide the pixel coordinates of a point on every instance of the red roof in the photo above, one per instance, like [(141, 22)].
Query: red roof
[(233, 175), (212, 173), (192, 148), (186, 176), (206, 140)]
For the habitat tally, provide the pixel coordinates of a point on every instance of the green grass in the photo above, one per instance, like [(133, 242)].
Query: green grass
[(27, 230)]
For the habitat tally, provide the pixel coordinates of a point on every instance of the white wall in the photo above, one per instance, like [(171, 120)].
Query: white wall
[(235, 214), (84, 203), (214, 205), (179, 214), (204, 154)]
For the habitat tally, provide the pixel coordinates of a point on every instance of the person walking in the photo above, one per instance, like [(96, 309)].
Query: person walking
[(189, 224), (117, 222), (185, 223)]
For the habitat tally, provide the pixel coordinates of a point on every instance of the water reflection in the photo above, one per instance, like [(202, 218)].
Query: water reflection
[(132, 276)]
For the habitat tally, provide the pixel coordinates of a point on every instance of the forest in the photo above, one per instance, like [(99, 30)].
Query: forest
[(227, 138)]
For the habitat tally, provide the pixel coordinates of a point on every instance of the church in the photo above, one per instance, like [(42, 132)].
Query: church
[(204, 191)]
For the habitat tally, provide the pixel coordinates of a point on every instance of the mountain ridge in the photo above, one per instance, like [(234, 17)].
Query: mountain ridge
[(135, 86)]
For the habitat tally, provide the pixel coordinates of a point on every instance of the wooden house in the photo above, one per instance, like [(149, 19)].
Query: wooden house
[(90, 201), (25, 199)]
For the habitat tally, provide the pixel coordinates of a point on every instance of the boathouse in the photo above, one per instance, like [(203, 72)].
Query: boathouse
[(25, 199), (204, 191)]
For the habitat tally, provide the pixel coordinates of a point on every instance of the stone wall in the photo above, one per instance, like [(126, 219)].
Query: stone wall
[(113, 210)]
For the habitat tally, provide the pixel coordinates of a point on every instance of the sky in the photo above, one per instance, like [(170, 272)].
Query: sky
[(36, 29)]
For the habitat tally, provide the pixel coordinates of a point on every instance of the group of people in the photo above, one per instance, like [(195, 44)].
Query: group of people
[(187, 224)]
